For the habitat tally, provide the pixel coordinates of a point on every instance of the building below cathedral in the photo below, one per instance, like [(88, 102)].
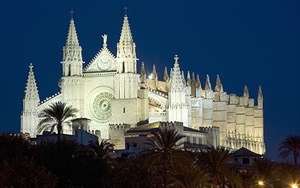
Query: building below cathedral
[(110, 92)]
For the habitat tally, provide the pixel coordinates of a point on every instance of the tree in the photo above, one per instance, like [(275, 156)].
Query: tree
[(215, 161), (14, 148), (25, 173), (165, 152), (290, 145), (264, 170), (54, 116), (131, 172), (287, 173), (102, 149), (187, 174)]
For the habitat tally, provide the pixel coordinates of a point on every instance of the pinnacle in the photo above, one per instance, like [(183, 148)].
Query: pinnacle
[(31, 91), (143, 73), (154, 73), (166, 76), (72, 39), (198, 82), (246, 91), (207, 83), (260, 94), (218, 86), (72, 49), (126, 36)]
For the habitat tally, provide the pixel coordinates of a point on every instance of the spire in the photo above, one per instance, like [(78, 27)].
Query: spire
[(72, 42), (219, 86), (31, 91), (260, 94), (166, 76), (176, 81), (246, 92), (143, 73), (126, 36), (126, 47), (207, 83), (154, 73), (72, 58)]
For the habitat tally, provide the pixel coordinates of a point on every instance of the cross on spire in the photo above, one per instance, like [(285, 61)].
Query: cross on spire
[(125, 9), (30, 67), (176, 58), (72, 14)]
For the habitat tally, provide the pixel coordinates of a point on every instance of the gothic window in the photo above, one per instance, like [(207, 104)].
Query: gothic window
[(194, 140), (200, 140), (246, 161), (188, 139)]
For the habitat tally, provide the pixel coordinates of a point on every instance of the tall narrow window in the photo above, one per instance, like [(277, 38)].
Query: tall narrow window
[(124, 110)]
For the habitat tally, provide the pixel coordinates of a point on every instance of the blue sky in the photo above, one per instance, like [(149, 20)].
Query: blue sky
[(245, 42)]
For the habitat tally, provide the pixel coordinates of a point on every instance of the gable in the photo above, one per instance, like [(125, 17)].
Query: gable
[(102, 62)]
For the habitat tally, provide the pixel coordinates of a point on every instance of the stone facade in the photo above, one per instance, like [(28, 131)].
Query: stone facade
[(115, 97)]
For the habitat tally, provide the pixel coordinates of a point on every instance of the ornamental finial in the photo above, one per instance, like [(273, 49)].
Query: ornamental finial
[(30, 67), (72, 14), (104, 40), (125, 9), (176, 58)]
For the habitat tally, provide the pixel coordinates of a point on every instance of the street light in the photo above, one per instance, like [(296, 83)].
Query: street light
[(294, 185), (262, 183)]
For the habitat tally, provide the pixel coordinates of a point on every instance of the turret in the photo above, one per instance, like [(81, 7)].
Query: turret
[(72, 58), (29, 117), (126, 54), (178, 105)]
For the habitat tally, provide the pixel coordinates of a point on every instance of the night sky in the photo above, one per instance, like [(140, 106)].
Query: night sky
[(245, 42)]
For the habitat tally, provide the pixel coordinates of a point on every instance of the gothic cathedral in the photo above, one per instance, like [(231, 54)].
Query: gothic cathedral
[(110, 91)]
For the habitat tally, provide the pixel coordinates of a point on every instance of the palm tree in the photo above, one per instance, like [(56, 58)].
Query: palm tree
[(291, 145), (264, 170), (187, 174), (102, 149), (287, 173), (215, 161), (165, 152), (54, 116)]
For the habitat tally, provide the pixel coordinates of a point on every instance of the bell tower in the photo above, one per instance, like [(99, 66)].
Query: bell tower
[(71, 82), (126, 54), (29, 117)]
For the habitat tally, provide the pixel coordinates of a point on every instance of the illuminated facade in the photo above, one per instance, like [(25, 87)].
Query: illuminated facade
[(110, 91)]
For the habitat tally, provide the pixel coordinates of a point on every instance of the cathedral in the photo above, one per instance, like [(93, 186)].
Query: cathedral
[(111, 91)]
